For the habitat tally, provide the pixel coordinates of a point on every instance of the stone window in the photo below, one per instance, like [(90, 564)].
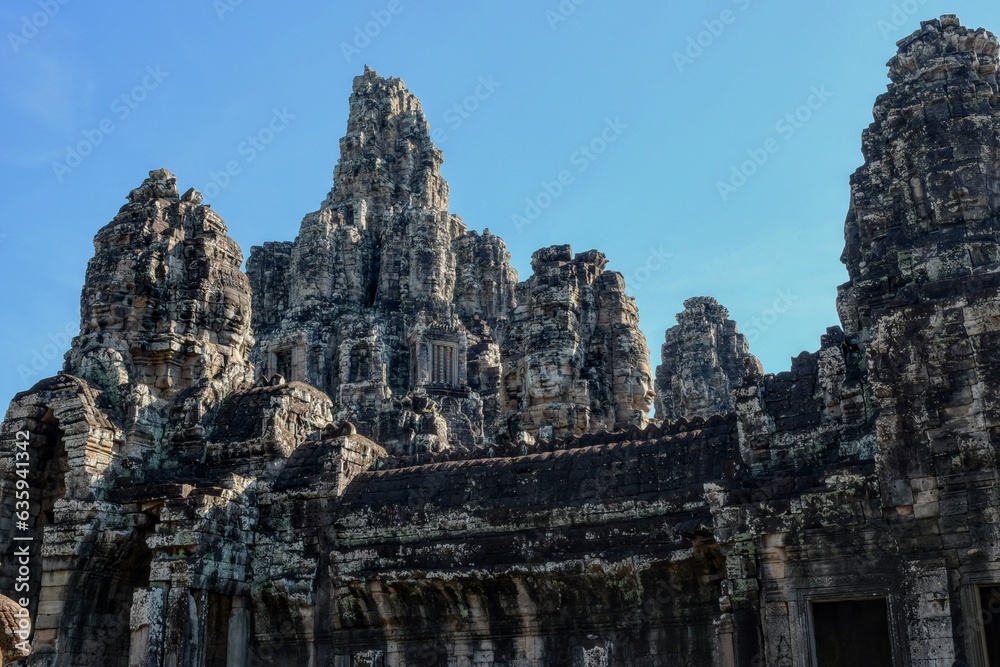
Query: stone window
[(989, 605), (437, 358), (443, 369), (372, 658), (392, 281), (852, 633), (281, 363), (360, 369)]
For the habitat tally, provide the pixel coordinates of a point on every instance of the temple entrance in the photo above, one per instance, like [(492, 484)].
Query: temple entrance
[(989, 607), (95, 626), (852, 633), (283, 364), (217, 630)]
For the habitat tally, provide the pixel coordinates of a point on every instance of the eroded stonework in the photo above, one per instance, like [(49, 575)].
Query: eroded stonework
[(704, 360), (575, 359), (165, 321), (388, 303), (423, 462)]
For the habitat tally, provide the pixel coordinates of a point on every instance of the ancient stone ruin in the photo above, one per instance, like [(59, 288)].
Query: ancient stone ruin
[(378, 448)]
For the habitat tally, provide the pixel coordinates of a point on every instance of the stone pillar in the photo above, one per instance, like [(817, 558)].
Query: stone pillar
[(180, 644), (194, 647), (146, 625), (56, 574), (928, 614), (725, 653)]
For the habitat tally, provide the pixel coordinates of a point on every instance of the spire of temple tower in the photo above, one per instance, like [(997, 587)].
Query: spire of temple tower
[(924, 207), (387, 157)]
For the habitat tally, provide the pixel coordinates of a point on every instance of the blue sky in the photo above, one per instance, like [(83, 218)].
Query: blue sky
[(598, 124)]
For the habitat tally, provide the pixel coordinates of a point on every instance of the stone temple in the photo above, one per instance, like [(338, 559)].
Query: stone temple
[(377, 447)]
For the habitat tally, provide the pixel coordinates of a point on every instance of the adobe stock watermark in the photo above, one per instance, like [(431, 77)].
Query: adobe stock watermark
[(223, 7), (460, 112), (712, 30), (656, 259), (363, 35), (785, 129), (901, 17), (784, 300), (122, 107), (248, 150), (562, 12), (32, 23), (581, 158), (23, 536), (58, 343)]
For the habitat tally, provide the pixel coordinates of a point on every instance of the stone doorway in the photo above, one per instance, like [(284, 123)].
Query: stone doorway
[(852, 633), (989, 605)]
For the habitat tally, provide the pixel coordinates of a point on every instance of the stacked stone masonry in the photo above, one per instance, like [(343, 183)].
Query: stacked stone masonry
[(378, 448)]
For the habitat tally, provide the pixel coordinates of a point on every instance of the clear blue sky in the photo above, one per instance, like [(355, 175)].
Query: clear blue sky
[(681, 92)]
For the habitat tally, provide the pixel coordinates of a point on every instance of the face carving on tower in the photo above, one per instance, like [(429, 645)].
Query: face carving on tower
[(547, 378), (635, 390), (639, 387), (434, 287)]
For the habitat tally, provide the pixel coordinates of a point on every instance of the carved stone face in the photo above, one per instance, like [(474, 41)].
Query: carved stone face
[(548, 377), (634, 394), (640, 388)]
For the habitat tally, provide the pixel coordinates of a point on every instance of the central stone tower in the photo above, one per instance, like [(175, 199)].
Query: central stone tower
[(368, 304), (407, 320)]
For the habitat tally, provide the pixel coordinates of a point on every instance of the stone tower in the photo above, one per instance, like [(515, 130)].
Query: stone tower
[(164, 341), (575, 361), (369, 303), (165, 314), (923, 301), (841, 513), (704, 360), (406, 319)]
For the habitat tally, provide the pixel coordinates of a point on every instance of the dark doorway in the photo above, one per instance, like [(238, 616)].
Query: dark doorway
[(217, 630), (283, 364), (989, 601), (852, 633)]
